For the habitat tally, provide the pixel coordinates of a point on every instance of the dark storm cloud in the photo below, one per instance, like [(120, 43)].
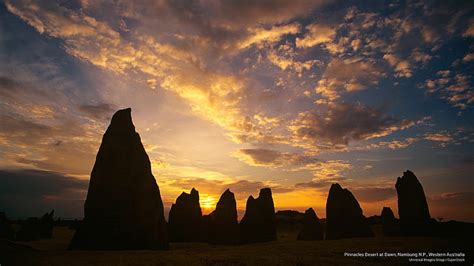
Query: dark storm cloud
[(344, 122)]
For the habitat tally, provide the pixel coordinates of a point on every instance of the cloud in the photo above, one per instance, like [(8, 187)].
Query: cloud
[(453, 87), (451, 205), (39, 183), (330, 170), (392, 144), (468, 57), (419, 56), (214, 96), (67, 147), (317, 34), (402, 67), (320, 169), (317, 184), (26, 99), (455, 198), (348, 75), (13, 89), (284, 58), (273, 158), (374, 194), (33, 192), (470, 29), (233, 12), (43, 128), (22, 130), (274, 34), (344, 122), (101, 111), (441, 137)]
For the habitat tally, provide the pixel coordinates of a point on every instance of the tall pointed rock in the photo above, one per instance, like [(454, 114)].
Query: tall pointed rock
[(412, 206), (259, 223), (344, 216), (123, 208), (185, 218), (222, 225)]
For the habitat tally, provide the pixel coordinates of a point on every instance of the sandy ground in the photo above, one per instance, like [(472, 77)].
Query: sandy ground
[(285, 251)]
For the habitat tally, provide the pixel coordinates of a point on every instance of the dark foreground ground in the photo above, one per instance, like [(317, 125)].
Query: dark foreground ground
[(285, 251)]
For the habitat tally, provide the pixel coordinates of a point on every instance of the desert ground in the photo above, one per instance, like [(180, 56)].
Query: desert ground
[(285, 251)]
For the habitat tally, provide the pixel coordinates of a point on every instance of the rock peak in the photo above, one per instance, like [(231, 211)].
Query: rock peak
[(123, 199), (259, 222), (122, 119), (335, 186), (412, 205), (344, 215), (185, 218), (222, 225), (265, 192)]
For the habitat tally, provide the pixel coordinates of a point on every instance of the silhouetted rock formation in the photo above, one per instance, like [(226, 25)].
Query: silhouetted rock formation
[(185, 218), (288, 221), (290, 214), (34, 228), (123, 209), (344, 215), (390, 224), (311, 228), (374, 219), (222, 226), (413, 209), (46, 225), (456, 229), (29, 230), (258, 223), (6, 230)]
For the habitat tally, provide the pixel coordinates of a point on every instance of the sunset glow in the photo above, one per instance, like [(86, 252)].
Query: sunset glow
[(208, 203), (238, 95)]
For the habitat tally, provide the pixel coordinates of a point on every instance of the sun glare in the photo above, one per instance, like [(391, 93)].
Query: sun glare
[(208, 203)]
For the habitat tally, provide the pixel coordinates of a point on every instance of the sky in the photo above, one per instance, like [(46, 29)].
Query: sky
[(291, 95)]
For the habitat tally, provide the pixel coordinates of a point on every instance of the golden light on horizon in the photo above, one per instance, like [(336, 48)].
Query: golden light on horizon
[(208, 203)]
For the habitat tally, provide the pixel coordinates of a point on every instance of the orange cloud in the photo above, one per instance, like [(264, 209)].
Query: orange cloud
[(347, 76), (438, 137), (316, 34), (273, 158), (402, 67), (274, 34)]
